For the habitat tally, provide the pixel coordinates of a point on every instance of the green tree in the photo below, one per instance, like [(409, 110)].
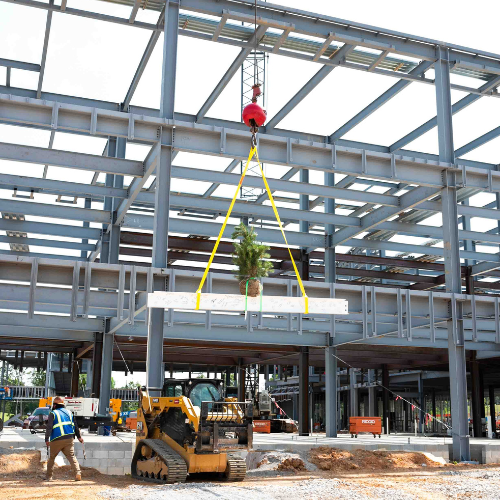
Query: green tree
[(82, 381), (113, 384), (249, 255), (37, 378), (132, 385)]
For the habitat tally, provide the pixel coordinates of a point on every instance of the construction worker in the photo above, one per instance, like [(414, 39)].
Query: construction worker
[(59, 436)]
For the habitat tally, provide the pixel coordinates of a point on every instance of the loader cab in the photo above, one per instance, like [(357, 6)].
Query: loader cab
[(196, 389)]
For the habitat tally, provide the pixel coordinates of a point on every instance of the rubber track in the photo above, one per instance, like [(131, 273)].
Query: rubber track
[(177, 469), (237, 469)]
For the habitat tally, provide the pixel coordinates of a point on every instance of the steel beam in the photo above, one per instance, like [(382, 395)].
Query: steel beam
[(7, 63), (458, 106), (408, 200), (345, 31), (339, 56), (52, 229), (476, 143), (46, 210), (379, 101), (53, 157), (235, 66), (44, 50), (274, 149), (453, 279), (145, 57), (138, 183), (49, 186)]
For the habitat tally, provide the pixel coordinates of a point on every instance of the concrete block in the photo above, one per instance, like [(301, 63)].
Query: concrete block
[(128, 454), (116, 471), (116, 454), (100, 454), (123, 462), (91, 462), (103, 470)]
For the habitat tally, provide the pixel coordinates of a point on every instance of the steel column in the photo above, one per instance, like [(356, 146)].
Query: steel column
[(385, 399), (304, 392), (331, 391), (154, 360), (108, 203), (372, 395), (304, 226), (491, 391), (106, 369), (456, 348), (96, 365), (353, 394), (114, 233), (329, 206), (475, 397)]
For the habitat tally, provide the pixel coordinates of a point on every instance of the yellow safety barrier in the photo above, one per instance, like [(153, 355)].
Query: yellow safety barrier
[(253, 152)]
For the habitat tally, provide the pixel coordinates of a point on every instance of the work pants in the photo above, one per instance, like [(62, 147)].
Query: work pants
[(68, 448)]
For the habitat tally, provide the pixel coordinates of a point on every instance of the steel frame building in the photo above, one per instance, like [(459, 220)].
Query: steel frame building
[(443, 305)]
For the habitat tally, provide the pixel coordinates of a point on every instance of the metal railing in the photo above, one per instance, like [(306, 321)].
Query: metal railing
[(125, 394), (27, 392)]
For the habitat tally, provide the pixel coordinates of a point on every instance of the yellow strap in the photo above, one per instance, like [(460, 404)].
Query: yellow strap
[(198, 292), (306, 299)]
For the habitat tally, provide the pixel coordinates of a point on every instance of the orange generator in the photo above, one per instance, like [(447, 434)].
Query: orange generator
[(263, 426), (370, 425)]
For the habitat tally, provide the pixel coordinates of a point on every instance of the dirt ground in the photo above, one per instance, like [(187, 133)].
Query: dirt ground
[(336, 460), (21, 474)]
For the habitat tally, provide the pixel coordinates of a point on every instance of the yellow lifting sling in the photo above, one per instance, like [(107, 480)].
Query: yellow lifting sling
[(253, 152)]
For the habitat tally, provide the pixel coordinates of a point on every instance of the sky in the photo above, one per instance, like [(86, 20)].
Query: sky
[(97, 60)]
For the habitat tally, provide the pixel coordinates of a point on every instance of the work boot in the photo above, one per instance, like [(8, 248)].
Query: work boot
[(78, 477), (48, 478)]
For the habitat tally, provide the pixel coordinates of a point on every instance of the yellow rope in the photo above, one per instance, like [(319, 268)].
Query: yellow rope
[(253, 152), (202, 282), (306, 299)]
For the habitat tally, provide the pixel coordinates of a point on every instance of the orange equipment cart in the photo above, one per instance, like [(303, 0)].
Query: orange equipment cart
[(371, 425), (263, 426)]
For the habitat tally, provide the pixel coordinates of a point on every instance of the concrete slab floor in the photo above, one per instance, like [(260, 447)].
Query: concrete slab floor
[(112, 454)]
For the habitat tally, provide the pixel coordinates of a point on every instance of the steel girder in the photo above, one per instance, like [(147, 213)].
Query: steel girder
[(231, 143), (384, 314)]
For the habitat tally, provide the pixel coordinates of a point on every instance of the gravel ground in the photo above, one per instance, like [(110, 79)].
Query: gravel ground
[(478, 483)]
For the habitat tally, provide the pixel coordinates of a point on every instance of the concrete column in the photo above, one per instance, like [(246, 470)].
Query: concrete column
[(372, 394), (304, 392), (106, 369), (108, 203), (114, 237), (385, 398), (331, 391), (453, 282), (96, 365), (353, 394), (162, 196), (476, 397)]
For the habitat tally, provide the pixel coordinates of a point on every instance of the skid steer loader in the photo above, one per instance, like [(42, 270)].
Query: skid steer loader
[(191, 429)]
